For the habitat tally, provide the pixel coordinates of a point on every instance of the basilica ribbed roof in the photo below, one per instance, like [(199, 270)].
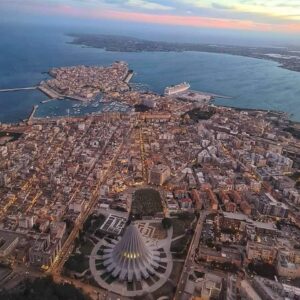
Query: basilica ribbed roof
[(131, 257)]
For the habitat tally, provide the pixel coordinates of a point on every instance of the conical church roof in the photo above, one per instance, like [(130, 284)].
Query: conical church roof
[(132, 257)]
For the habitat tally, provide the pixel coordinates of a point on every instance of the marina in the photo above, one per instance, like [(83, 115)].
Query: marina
[(115, 107)]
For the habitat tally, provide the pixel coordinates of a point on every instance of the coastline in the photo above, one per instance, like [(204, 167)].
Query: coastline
[(145, 75), (110, 44)]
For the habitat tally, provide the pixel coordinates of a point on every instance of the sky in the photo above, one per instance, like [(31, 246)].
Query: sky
[(278, 17)]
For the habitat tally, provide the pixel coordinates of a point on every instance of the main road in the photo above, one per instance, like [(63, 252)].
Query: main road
[(189, 261)]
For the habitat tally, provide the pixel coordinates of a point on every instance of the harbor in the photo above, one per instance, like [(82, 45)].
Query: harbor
[(115, 107)]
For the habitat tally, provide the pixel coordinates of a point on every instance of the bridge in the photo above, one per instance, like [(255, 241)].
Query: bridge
[(18, 89)]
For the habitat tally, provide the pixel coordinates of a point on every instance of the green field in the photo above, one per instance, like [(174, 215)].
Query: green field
[(146, 202)]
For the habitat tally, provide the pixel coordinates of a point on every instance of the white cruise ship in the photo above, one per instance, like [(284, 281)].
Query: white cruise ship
[(174, 89)]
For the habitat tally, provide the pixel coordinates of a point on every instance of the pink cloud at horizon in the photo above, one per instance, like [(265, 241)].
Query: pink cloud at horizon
[(165, 19)]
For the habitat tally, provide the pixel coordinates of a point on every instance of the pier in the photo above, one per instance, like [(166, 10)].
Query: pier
[(46, 101), (31, 116), (217, 96), (18, 89), (76, 98), (128, 76), (50, 92)]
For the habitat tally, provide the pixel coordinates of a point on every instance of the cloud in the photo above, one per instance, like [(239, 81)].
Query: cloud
[(134, 4), (277, 9), (221, 6), (148, 5), (238, 15), (165, 19)]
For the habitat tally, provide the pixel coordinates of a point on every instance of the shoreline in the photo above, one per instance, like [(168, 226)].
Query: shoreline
[(110, 43), (213, 98), (126, 80), (91, 114)]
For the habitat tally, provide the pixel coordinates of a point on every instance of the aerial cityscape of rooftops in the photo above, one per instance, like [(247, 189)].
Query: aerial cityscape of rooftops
[(150, 194), (211, 194)]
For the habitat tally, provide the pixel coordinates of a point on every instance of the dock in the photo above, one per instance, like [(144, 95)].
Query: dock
[(217, 96), (31, 116), (77, 98), (18, 89), (53, 95), (50, 92), (128, 76), (46, 101)]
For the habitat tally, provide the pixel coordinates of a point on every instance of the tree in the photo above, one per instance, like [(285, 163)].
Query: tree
[(46, 289), (218, 248), (166, 223), (262, 269)]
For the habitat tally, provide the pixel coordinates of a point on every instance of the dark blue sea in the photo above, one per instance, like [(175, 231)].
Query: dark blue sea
[(28, 52)]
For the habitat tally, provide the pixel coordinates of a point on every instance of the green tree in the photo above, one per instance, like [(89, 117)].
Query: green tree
[(166, 223)]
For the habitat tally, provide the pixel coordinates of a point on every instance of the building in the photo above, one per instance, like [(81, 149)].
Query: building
[(272, 290), (226, 255), (268, 289), (230, 207), (44, 251), (131, 259), (172, 205), (212, 199), (266, 204), (288, 263), (156, 117), (26, 222), (245, 208), (261, 251), (4, 180), (185, 204), (197, 199), (159, 174), (151, 103), (241, 222), (210, 286), (247, 291), (77, 206), (8, 243), (283, 182), (58, 229)]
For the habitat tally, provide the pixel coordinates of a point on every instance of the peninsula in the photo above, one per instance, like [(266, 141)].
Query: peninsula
[(84, 83)]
